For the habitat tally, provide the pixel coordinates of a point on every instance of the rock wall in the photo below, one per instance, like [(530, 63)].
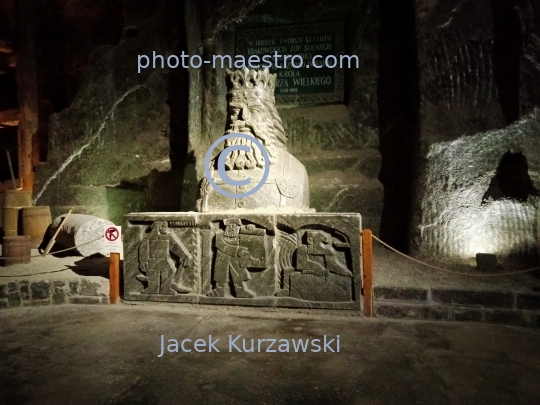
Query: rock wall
[(479, 70), (481, 199), (109, 153), (338, 144)]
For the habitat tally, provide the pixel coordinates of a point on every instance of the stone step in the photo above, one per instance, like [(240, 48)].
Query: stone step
[(520, 308)]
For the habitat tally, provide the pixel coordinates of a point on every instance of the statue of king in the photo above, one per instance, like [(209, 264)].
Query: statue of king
[(251, 111)]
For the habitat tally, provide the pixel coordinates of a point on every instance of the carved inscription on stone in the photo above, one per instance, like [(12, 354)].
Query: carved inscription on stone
[(254, 259)]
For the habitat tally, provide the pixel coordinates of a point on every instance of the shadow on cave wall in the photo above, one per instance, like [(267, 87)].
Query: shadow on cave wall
[(511, 180), (507, 51), (398, 114)]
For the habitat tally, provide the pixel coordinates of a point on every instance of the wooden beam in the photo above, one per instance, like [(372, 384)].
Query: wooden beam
[(9, 118), (27, 89), (367, 271)]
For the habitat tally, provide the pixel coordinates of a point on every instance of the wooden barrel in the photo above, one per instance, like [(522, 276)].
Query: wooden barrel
[(15, 250), (34, 222), (11, 220), (18, 198)]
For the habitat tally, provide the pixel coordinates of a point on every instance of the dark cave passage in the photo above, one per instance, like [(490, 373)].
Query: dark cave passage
[(398, 114), (511, 179)]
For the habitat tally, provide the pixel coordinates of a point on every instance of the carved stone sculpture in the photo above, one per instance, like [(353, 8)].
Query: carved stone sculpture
[(275, 252), (251, 110), (158, 270), (236, 246), (292, 260)]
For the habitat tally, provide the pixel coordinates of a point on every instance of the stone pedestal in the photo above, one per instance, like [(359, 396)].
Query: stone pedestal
[(252, 259)]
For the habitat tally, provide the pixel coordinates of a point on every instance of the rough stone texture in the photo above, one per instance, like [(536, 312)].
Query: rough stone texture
[(74, 287), (426, 312), (535, 320), (321, 137), (457, 82), (41, 289), (306, 261), (494, 299), (400, 294), (389, 309), (14, 299), (380, 361), (465, 209), (528, 301), (86, 300), (45, 292), (479, 75), (467, 314), (507, 317), (25, 290), (109, 151), (60, 296), (461, 305)]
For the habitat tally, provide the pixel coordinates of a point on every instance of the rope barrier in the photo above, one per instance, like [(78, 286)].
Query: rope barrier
[(33, 274), (52, 253), (46, 254), (454, 272)]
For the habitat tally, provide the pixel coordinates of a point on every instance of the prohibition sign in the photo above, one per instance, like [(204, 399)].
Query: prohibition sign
[(111, 234)]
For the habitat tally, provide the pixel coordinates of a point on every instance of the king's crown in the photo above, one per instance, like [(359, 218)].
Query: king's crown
[(245, 83)]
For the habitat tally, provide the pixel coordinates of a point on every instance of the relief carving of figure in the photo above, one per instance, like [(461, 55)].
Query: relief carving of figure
[(239, 247), (318, 256), (156, 265)]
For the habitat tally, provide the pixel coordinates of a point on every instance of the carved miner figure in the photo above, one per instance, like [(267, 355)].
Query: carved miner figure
[(239, 247), (157, 267)]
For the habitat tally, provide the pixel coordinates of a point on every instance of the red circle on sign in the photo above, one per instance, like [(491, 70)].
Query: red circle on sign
[(111, 234)]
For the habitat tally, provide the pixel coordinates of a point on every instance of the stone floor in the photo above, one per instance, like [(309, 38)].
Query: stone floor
[(56, 267), (80, 354)]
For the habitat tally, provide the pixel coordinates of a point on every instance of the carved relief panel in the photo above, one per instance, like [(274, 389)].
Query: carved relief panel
[(307, 261)]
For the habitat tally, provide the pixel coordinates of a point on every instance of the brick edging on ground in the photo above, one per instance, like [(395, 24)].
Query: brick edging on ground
[(44, 292), (438, 304), (451, 304)]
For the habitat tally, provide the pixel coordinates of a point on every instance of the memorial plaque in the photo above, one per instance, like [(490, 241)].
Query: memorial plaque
[(298, 81)]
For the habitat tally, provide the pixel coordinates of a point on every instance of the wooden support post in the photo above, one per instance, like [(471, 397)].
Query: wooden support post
[(367, 271), (28, 89), (114, 278)]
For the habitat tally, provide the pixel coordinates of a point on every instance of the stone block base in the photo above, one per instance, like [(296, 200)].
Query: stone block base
[(461, 305), (266, 260), (26, 292)]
